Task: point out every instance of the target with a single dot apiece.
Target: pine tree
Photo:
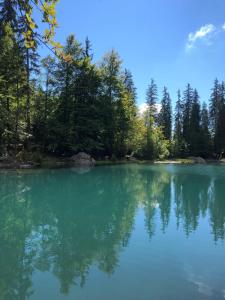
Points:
(178, 137)
(129, 85)
(126, 115)
(64, 78)
(165, 115)
(88, 49)
(111, 89)
(87, 129)
(219, 137)
(7, 73)
(44, 104)
(151, 116)
(187, 104)
(8, 14)
(194, 129)
(151, 99)
(150, 152)
(205, 139)
(130, 108)
(12, 73)
(21, 11)
(214, 104)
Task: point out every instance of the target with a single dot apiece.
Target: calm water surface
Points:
(135, 232)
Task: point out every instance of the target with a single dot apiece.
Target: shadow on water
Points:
(64, 221)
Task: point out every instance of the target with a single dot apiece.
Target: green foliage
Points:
(64, 107)
(71, 107)
(156, 145)
(161, 145)
(178, 145)
(205, 137)
(194, 130)
(217, 116)
(151, 98)
(165, 115)
(187, 105)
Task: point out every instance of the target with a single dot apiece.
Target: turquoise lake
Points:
(129, 232)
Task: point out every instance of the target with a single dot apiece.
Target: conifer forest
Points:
(65, 102)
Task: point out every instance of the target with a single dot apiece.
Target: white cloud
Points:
(158, 107)
(143, 108)
(223, 27)
(205, 33)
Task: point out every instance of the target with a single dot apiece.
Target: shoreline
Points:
(57, 163)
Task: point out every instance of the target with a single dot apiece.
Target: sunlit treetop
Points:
(47, 8)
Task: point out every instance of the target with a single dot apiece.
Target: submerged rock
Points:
(82, 169)
(83, 159)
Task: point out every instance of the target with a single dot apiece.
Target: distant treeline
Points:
(60, 106)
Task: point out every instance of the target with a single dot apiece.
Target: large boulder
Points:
(83, 159)
(198, 160)
(130, 158)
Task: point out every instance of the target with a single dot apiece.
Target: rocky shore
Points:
(83, 159)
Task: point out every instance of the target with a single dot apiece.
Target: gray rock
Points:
(132, 158)
(28, 165)
(83, 159)
(25, 166)
(198, 160)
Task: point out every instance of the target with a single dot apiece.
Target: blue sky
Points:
(172, 41)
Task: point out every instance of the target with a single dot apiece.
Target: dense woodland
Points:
(62, 106)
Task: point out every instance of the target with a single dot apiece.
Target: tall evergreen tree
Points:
(205, 139)
(88, 49)
(129, 84)
(111, 88)
(87, 120)
(8, 13)
(151, 116)
(126, 115)
(151, 98)
(45, 104)
(165, 115)
(12, 73)
(178, 136)
(187, 104)
(219, 137)
(64, 77)
(194, 129)
(214, 105)
(130, 109)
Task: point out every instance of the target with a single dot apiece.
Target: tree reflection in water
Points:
(65, 222)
